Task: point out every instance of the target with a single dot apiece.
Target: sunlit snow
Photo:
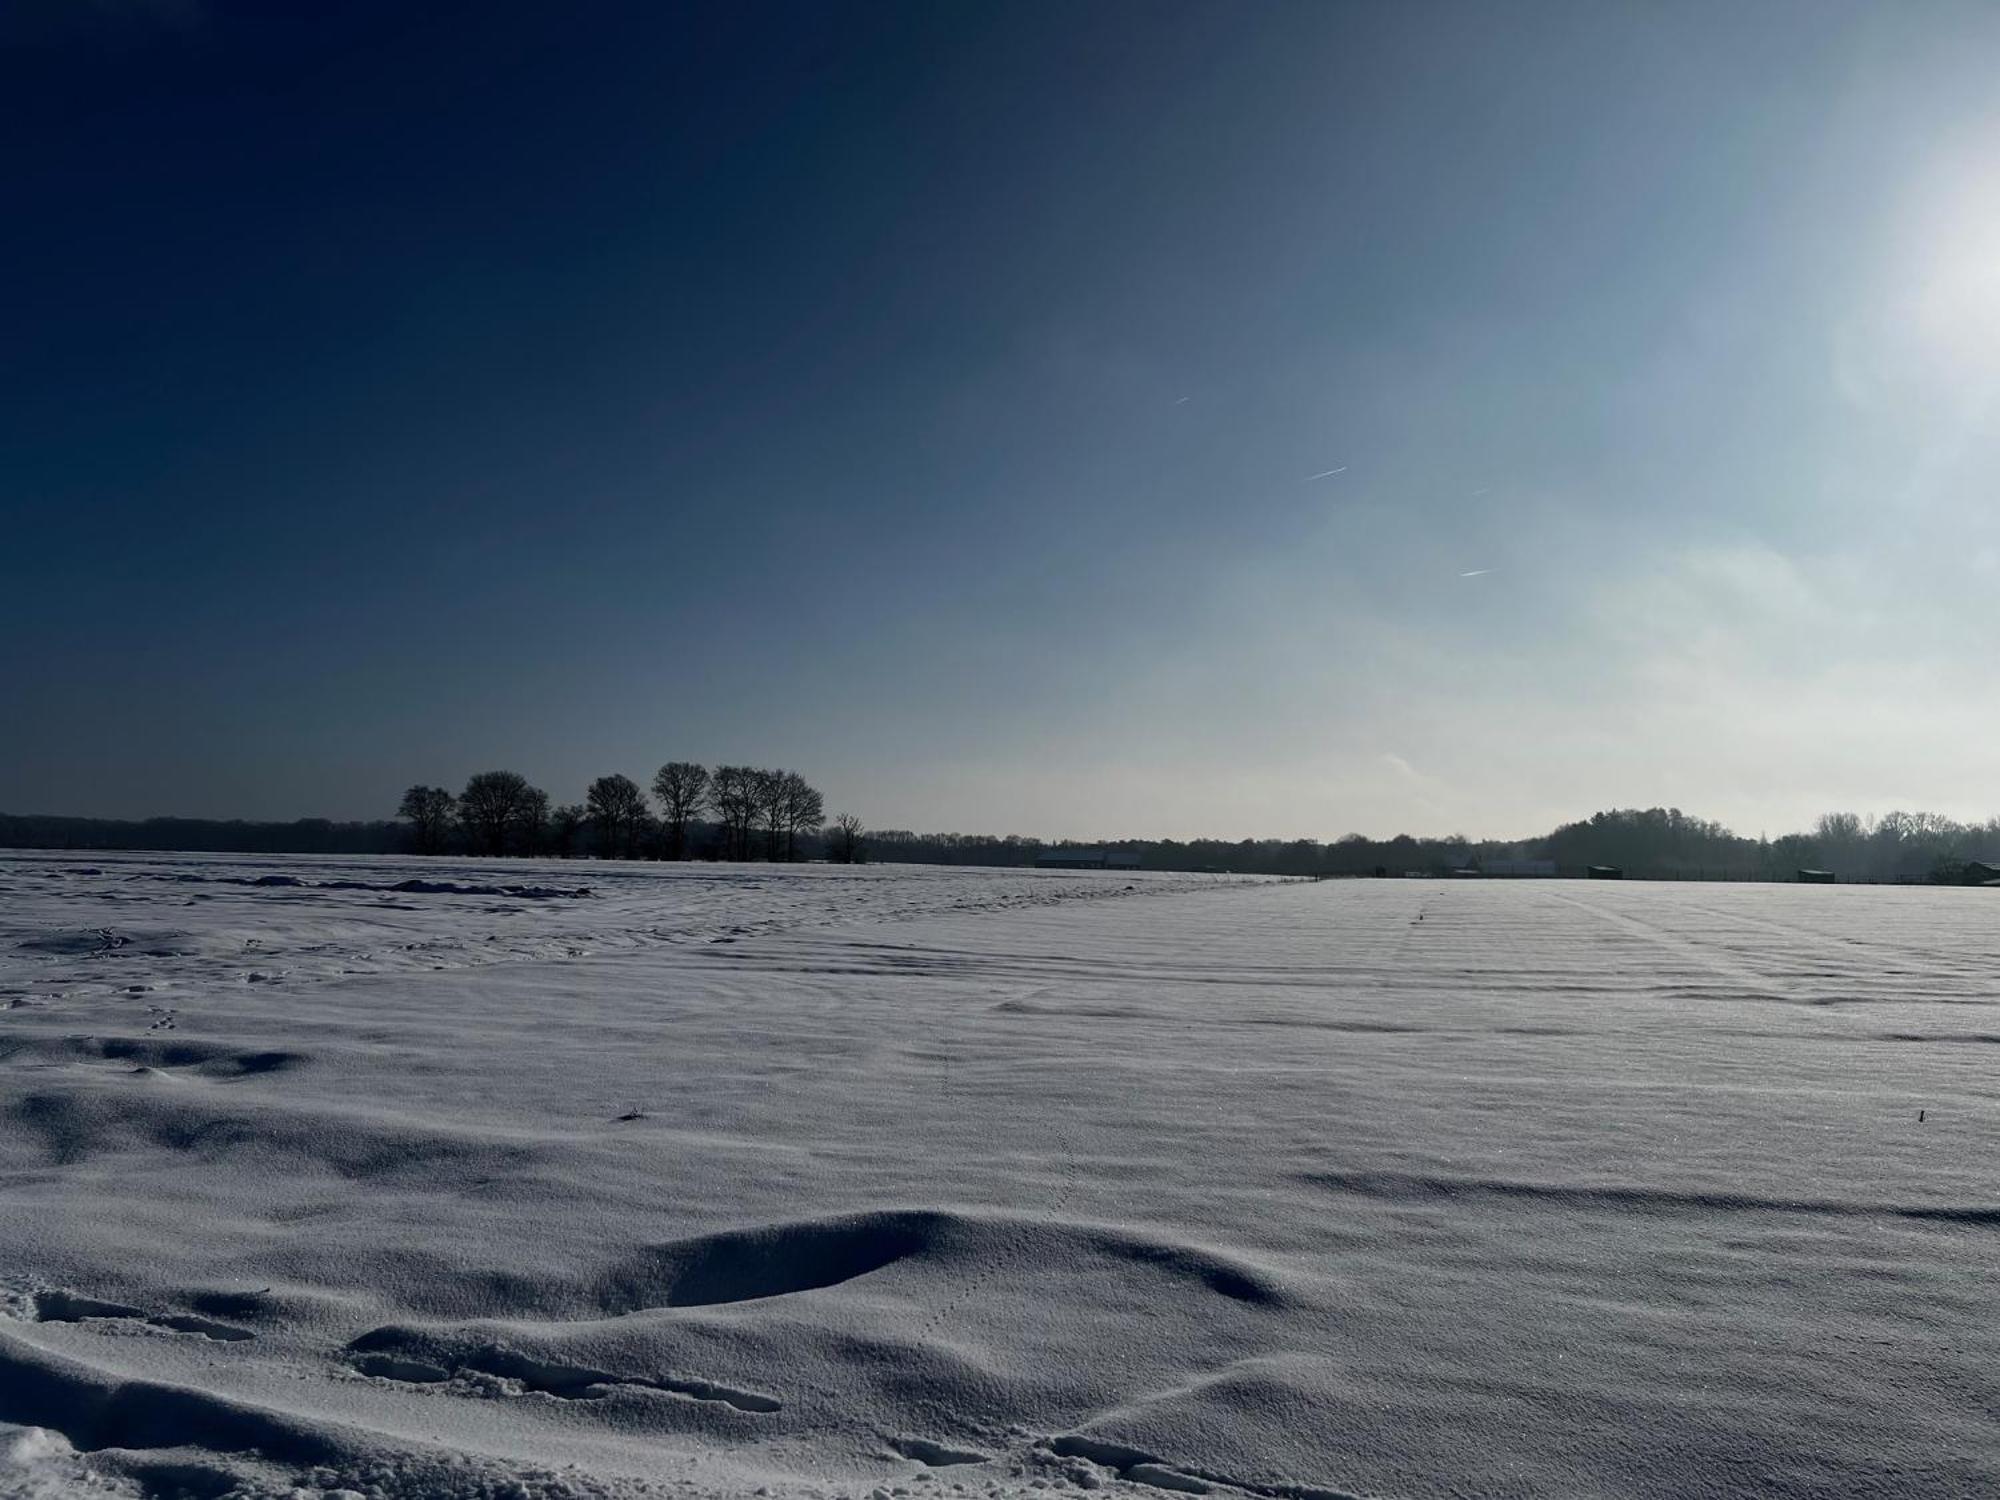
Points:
(442, 1177)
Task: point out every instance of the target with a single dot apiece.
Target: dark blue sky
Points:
(925, 396)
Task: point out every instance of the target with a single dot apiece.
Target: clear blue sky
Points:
(927, 396)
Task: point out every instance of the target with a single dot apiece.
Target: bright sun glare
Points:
(1957, 267)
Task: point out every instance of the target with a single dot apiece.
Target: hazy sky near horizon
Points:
(1075, 419)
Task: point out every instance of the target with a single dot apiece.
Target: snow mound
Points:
(777, 1260)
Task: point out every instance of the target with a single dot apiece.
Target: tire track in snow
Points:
(1759, 983)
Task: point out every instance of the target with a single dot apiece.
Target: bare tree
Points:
(531, 821)
(500, 811)
(723, 795)
(803, 810)
(843, 840)
(486, 808)
(769, 789)
(682, 787)
(429, 810)
(733, 795)
(617, 811)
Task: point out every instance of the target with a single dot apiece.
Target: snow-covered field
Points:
(921, 1181)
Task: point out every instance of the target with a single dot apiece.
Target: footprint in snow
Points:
(541, 1377)
(72, 1307)
(393, 1367)
(935, 1455)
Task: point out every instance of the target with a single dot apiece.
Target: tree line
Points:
(1657, 841)
(729, 812)
(685, 823)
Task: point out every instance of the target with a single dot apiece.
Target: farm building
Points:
(1816, 877)
(1086, 859)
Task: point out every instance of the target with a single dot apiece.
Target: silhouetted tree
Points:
(531, 821)
(682, 787)
(1653, 840)
(767, 791)
(1840, 842)
(499, 811)
(732, 794)
(429, 810)
(803, 810)
(617, 811)
(564, 824)
(843, 840)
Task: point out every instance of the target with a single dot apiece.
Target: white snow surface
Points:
(546, 1179)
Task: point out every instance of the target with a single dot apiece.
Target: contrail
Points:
(1476, 573)
(1326, 473)
(1184, 401)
